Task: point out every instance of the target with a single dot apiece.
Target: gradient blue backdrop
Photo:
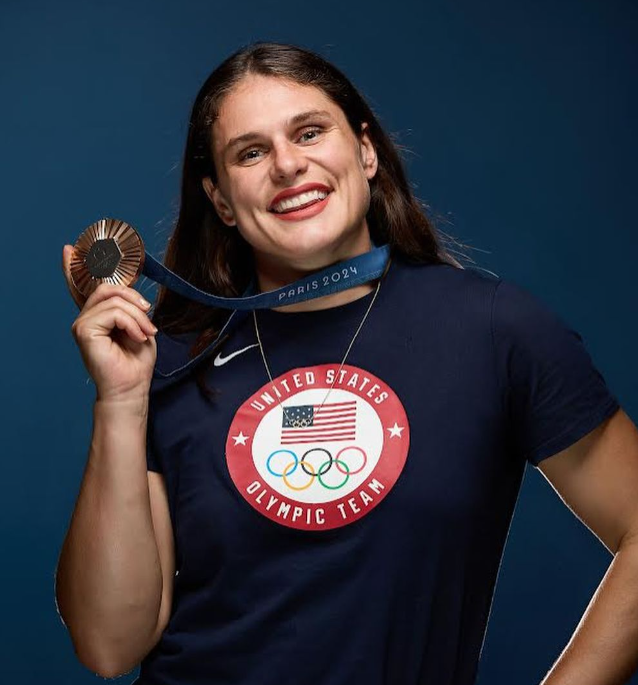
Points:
(521, 123)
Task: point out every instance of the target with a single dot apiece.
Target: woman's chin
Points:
(312, 248)
(313, 243)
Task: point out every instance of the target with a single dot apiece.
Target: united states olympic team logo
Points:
(317, 467)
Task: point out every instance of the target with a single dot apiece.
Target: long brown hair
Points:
(215, 257)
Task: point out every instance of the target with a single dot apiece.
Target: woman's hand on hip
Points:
(115, 337)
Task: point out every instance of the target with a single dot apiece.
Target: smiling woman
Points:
(329, 522)
(271, 122)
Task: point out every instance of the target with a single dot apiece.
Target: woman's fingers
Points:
(102, 323)
(114, 334)
(133, 310)
(126, 322)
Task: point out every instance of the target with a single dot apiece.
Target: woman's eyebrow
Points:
(296, 120)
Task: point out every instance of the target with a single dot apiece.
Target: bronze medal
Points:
(108, 251)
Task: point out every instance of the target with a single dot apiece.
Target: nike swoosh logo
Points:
(220, 361)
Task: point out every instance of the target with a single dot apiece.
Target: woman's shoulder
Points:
(455, 301)
(445, 281)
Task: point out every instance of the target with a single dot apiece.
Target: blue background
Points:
(520, 119)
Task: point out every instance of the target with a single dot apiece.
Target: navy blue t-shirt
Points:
(356, 538)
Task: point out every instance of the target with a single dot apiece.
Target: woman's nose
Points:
(288, 160)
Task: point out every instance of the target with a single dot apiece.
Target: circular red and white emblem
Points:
(318, 465)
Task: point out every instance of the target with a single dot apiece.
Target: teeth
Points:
(299, 200)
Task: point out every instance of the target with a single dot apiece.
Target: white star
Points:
(240, 439)
(395, 431)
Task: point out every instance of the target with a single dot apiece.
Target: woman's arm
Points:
(597, 478)
(109, 577)
(109, 574)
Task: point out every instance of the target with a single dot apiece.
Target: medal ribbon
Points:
(111, 250)
(333, 279)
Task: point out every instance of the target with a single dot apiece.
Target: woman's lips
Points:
(304, 212)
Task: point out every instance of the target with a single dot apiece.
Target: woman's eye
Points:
(248, 155)
(312, 133)
(252, 154)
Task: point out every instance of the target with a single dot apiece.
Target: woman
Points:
(325, 497)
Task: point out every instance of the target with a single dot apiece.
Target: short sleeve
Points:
(152, 462)
(152, 459)
(554, 394)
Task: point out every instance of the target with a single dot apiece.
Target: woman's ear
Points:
(223, 209)
(368, 153)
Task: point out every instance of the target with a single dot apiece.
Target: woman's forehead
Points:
(260, 103)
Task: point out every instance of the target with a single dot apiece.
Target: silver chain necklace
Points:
(302, 423)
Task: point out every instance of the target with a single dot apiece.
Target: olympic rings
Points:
(336, 487)
(277, 452)
(291, 467)
(353, 447)
(317, 449)
(294, 487)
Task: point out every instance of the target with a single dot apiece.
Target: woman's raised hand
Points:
(115, 337)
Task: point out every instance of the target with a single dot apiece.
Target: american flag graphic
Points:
(329, 423)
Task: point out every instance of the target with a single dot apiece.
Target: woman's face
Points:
(292, 138)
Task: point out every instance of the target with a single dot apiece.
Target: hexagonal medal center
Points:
(103, 258)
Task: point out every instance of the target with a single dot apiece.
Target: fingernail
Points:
(144, 303)
(154, 328)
